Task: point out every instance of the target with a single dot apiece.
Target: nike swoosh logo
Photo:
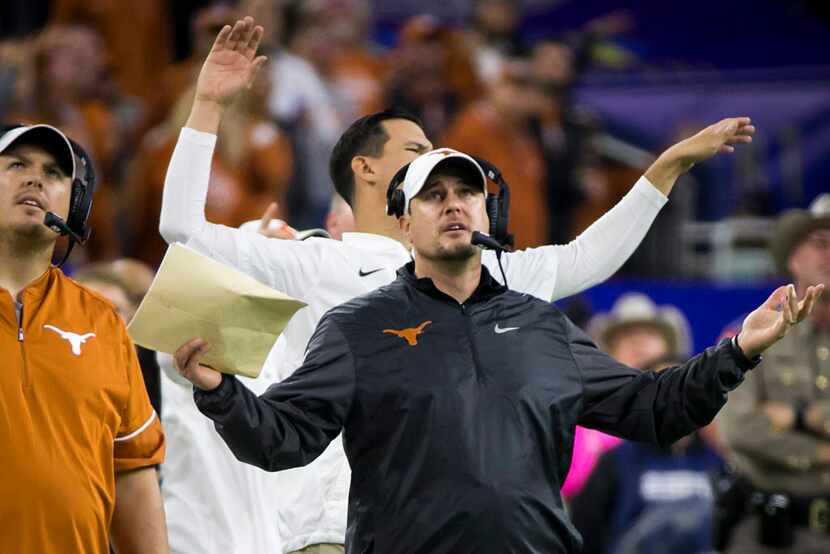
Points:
(500, 330)
(365, 273)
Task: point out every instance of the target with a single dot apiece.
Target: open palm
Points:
(719, 137)
(774, 318)
(232, 63)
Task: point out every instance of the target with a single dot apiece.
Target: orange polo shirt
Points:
(73, 413)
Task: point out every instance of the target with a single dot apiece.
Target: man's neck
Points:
(458, 279)
(21, 263)
(370, 217)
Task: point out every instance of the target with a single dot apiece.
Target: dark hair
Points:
(364, 137)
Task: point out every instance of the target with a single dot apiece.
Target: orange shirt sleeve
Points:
(140, 439)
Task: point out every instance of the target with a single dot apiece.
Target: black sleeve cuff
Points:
(740, 358)
(214, 401)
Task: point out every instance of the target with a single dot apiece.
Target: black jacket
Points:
(459, 431)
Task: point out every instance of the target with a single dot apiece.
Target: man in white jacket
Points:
(306, 507)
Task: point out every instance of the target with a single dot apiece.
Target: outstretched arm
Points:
(554, 272)
(662, 407)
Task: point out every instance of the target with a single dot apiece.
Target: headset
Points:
(76, 226)
(497, 206)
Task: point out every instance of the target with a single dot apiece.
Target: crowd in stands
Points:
(106, 74)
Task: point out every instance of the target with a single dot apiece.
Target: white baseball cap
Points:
(47, 137)
(422, 167)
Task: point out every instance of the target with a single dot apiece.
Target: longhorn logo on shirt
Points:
(74, 339)
(410, 335)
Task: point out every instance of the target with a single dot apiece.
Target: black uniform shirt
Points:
(458, 419)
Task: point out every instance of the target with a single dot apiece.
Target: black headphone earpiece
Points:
(395, 198)
(497, 206)
(83, 188)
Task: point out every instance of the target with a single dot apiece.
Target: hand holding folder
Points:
(196, 296)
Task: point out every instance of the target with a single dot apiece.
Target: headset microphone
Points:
(486, 241)
(59, 226)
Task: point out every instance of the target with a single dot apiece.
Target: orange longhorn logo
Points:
(409, 335)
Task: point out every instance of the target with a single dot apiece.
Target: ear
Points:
(404, 224)
(362, 169)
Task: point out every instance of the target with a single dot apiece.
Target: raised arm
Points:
(597, 253)
(229, 69)
(720, 137)
(293, 421)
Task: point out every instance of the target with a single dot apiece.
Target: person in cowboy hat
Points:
(777, 426)
(637, 332)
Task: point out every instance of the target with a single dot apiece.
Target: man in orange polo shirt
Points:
(79, 437)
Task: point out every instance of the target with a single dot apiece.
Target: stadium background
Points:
(665, 68)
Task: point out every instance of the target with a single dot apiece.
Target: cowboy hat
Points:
(793, 225)
(633, 310)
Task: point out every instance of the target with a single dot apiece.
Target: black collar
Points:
(486, 289)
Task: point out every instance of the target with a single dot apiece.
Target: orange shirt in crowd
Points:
(480, 131)
(73, 413)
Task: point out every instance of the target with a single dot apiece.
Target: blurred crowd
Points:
(105, 73)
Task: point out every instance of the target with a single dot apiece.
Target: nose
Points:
(32, 179)
(452, 203)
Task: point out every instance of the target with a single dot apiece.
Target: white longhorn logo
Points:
(74, 339)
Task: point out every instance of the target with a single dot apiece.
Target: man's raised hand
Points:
(719, 137)
(722, 136)
(232, 63)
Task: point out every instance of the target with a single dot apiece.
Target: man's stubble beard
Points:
(27, 238)
(458, 253)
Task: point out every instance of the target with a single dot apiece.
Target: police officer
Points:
(458, 397)
(777, 425)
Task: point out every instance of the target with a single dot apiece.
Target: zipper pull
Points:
(20, 334)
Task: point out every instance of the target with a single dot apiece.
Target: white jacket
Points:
(308, 505)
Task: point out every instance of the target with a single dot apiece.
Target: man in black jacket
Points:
(458, 397)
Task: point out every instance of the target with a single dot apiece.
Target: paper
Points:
(194, 296)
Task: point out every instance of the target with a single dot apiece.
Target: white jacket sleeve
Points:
(289, 266)
(558, 271)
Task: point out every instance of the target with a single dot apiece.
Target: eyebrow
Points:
(28, 160)
(431, 182)
(419, 145)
